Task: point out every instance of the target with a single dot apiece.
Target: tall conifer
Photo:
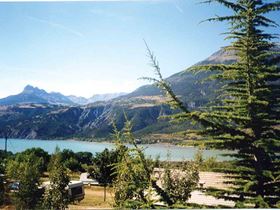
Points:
(245, 118)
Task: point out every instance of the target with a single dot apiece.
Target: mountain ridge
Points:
(144, 107)
(31, 94)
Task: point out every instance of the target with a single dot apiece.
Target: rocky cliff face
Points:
(44, 122)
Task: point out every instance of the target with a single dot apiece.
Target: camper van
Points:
(75, 190)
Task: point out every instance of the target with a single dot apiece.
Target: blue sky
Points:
(86, 48)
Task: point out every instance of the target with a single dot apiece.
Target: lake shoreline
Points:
(110, 142)
(177, 153)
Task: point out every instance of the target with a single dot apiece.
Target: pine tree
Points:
(56, 194)
(245, 117)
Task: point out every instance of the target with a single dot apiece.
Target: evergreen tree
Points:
(56, 194)
(245, 117)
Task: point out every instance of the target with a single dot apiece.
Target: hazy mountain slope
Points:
(78, 99)
(22, 98)
(104, 97)
(98, 97)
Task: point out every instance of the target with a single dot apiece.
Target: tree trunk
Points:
(104, 192)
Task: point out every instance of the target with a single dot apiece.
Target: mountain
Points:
(187, 84)
(78, 99)
(35, 95)
(104, 97)
(145, 106)
(94, 98)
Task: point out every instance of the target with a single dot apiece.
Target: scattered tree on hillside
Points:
(245, 117)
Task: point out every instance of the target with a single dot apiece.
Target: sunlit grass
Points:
(94, 197)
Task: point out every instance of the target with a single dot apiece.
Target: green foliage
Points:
(245, 116)
(14, 162)
(133, 172)
(131, 181)
(4, 196)
(70, 160)
(27, 172)
(4, 156)
(136, 184)
(72, 164)
(84, 157)
(3, 161)
(2, 190)
(104, 166)
(198, 157)
(76, 162)
(104, 171)
(211, 164)
(56, 194)
(40, 153)
(179, 183)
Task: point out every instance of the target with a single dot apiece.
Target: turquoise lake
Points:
(153, 150)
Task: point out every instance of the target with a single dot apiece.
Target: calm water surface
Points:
(153, 150)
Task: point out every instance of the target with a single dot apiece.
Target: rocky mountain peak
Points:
(31, 89)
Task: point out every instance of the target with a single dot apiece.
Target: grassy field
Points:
(94, 199)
